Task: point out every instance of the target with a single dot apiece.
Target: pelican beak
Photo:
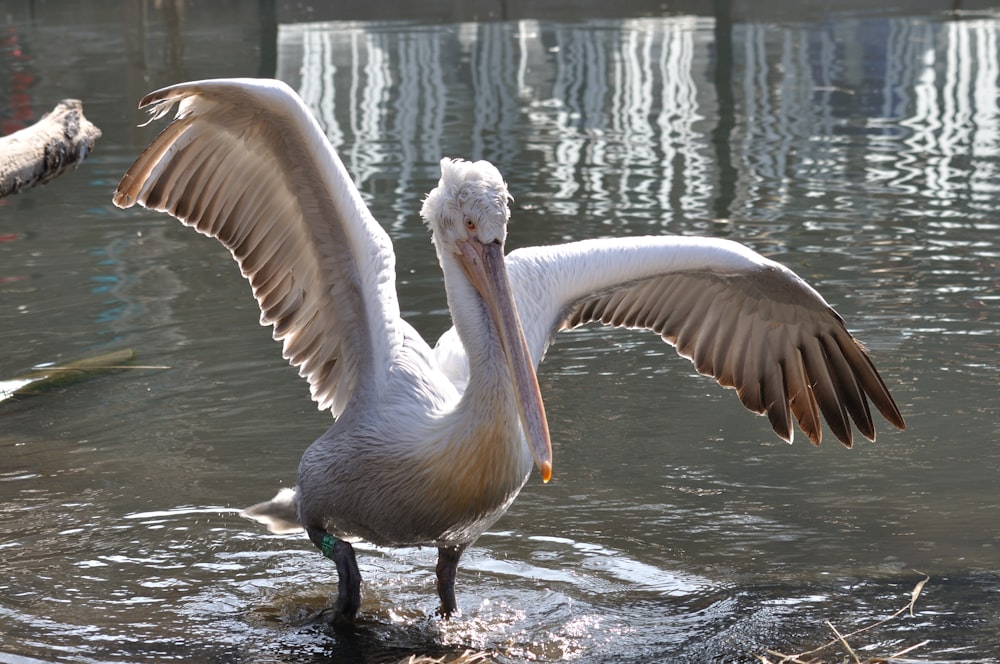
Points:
(484, 265)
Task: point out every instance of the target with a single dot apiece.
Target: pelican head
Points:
(470, 202)
(467, 214)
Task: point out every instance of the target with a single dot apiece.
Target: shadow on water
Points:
(861, 148)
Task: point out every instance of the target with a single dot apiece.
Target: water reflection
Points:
(861, 148)
(621, 112)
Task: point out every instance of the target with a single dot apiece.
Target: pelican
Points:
(431, 445)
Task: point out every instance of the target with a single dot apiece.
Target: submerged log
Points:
(56, 143)
(50, 376)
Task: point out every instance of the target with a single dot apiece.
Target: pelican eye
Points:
(470, 224)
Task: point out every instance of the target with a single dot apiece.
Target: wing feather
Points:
(825, 388)
(800, 397)
(747, 321)
(847, 387)
(776, 399)
(245, 162)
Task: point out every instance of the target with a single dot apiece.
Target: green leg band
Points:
(326, 546)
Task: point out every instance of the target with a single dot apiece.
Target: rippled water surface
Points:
(860, 149)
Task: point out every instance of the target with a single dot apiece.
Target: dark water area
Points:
(861, 148)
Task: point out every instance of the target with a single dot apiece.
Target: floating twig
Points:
(842, 639)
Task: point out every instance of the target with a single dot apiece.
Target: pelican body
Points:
(430, 446)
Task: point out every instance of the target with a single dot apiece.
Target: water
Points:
(860, 149)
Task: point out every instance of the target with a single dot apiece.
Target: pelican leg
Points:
(447, 568)
(348, 575)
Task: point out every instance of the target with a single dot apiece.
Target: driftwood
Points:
(36, 154)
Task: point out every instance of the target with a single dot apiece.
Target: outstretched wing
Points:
(749, 322)
(244, 162)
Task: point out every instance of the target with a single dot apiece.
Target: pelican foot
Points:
(447, 569)
(348, 577)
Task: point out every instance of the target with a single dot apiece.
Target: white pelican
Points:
(431, 445)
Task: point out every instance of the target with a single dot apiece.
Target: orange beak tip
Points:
(546, 469)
